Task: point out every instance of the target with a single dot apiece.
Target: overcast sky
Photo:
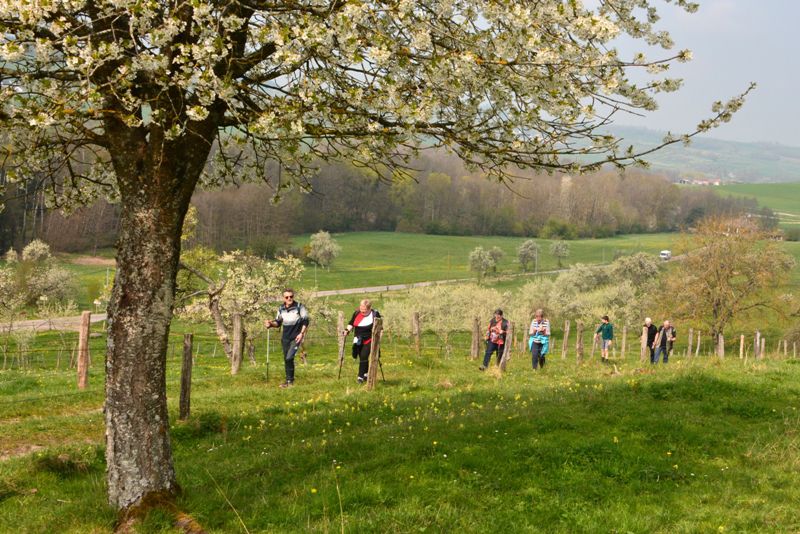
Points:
(734, 42)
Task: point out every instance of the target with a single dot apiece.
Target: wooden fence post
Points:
(579, 342)
(794, 349)
(474, 351)
(341, 337)
(721, 347)
(251, 351)
(785, 349)
(565, 346)
(186, 378)
(643, 349)
(624, 342)
(697, 348)
(236, 356)
(374, 354)
(690, 341)
(757, 346)
(741, 346)
(83, 350)
(507, 347)
(415, 331)
(763, 351)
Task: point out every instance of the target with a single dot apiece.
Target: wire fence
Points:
(61, 353)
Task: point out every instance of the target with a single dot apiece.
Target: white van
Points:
(665, 255)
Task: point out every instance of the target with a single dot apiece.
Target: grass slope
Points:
(782, 198)
(695, 446)
(378, 258)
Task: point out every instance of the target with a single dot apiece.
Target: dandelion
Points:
(313, 490)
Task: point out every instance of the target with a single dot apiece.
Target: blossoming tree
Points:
(141, 102)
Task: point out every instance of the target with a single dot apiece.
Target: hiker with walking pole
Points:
(361, 325)
(605, 334)
(539, 339)
(293, 316)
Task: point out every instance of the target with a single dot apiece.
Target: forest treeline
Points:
(440, 197)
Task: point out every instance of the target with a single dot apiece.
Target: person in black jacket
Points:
(652, 330)
(664, 340)
(361, 325)
(293, 316)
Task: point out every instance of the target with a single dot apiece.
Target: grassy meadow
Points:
(781, 198)
(378, 258)
(697, 445)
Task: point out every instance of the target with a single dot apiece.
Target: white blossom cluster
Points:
(33, 278)
(87, 85)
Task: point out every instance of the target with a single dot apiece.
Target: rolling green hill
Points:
(748, 162)
(379, 258)
(782, 198)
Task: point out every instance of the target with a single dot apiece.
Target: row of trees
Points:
(482, 261)
(729, 275)
(443, 198)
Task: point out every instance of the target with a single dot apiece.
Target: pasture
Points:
(698, 445)
(784, 198)
(379, 258)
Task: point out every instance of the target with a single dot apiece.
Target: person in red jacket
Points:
(361, 325)
(495, 338)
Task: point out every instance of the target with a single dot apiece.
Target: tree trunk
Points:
(138, 453)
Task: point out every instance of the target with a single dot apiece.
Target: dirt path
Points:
(58, 323)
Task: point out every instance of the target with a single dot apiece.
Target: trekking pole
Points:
(342, 338)
(380, 366)
(268, 353)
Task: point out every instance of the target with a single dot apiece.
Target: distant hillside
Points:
(728, 160)
(783, 198)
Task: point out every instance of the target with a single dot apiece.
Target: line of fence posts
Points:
(516, 339)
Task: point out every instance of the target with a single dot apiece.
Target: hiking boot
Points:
(481, 368)
(361, 379)
(286, 385)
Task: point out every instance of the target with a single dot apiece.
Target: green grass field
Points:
(379, 258)
(782, 198)
(695, 446)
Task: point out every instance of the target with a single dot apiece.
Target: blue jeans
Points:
(537, 358)
(661, 350)
(289, 351)
(490, 348)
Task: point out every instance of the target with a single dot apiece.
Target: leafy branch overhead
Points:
(85, 85)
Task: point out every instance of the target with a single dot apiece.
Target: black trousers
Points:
(362, 351)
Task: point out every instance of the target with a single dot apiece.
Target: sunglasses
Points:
(289, 297)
